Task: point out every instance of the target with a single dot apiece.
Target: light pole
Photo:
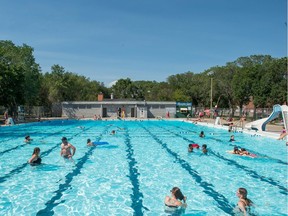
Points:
(211, 97)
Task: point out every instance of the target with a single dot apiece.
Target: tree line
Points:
(260, 78)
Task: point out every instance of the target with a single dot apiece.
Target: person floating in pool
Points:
(175, 200)
(66, 149)
(232, 138)
(89, 143)
(202, 135)
(113, 132)
(28, 139)
(204, 149)
(244, 203)
(236, 150)
(35, 159)
(244, 152)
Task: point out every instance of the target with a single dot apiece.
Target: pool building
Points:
(122, 108)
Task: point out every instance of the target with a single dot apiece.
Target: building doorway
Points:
(132, 112)
(104, 112)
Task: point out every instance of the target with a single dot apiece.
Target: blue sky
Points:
(144, 39)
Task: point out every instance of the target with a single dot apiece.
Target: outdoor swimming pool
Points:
(133, 174)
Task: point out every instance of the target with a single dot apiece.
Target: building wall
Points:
(131, 108)
(160, 110)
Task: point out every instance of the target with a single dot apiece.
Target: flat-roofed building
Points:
(118, 108)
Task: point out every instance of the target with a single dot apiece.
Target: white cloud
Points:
(109, 85)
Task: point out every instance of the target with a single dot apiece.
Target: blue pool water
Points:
(133, 174)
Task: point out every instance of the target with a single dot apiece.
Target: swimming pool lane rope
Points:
(48, 210)
(20, 168)
(222, 201)
(252, 173)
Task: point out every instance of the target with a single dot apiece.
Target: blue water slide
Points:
(276, 111)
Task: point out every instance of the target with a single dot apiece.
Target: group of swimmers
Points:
(240, 151)
(67, 151)
(191, 146)
(178, 200)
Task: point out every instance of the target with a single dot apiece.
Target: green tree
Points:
(126, 89)
(19, 63)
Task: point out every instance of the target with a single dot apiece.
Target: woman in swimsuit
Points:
(175, 200)
(244, 203)
(35, 159)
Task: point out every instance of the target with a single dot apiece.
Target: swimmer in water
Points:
(35, 159)
(27, 139)
(89, 143)
(204, 149)
(66, 149)
(175, 200)
(236, 150)
(232, 138)
(190, 148)
(244, 203)
(202, 135)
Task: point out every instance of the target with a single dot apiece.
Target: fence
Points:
(249, 113)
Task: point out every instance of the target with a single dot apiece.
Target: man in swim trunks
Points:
(66, 149)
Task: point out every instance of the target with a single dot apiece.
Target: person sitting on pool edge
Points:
(35, 159)
(204, 149)
(175, 200)
(66, 149)
(244, 203)
(202, 134)
(27, 139)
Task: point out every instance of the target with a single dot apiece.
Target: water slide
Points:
(260, 124)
